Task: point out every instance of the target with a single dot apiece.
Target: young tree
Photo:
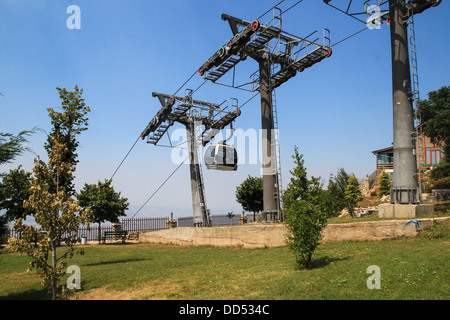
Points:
(306, 211)
(249, 194)
(67, 124)
(298, 184)
(353, 194)
(56, 213)
(384, 184)
(105, 203)
(55, 210)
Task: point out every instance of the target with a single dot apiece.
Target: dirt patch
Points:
(145, 291)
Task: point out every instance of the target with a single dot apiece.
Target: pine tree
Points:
(384, 184)
(353, 194)
(306, 210)
(56, 213)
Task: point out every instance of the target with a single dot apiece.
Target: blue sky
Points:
(337, 112)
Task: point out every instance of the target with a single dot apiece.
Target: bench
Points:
(115, 235)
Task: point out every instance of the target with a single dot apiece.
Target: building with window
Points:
(385, 159)
(428, 155)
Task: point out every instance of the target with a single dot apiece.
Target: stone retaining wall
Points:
(273, 235)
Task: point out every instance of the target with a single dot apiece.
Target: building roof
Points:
(385, 150)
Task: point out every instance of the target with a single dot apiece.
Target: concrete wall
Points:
(247, 236)
(273, 235)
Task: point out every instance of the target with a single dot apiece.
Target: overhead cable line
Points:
(354, 34)
(160, 187)
(125, 158)
(292, 6)
(248, 100)
(185, 82)
(270, 9)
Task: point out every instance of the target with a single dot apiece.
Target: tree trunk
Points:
(99, 233)
(308, 260)
(54, 279)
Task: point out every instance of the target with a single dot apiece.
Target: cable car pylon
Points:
(193, 114)
(405, 189)
(259, 41)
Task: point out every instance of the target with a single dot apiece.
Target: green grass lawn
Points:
(410, 269)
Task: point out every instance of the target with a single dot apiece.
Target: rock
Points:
(344, 213)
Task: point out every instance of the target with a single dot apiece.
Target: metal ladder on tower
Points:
(206, 219)
(420, 150)
(276, 141)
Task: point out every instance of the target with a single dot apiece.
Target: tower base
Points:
(389, 210)
(270, 216)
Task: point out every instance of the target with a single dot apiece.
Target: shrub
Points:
(305, 222)
(307, 208)
(441, 171)
(443, 183)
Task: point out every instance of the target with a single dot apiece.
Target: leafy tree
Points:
(306, 211)
(353, 194)
(249, 194)
(105, 203)
(384, 184)
(434, 112)
(11, 146)
(298, 184)
(4, 229)
(67, 124)
(332, 197)
(55, 210)
(14, 189)
(342, 179)
(230, 216)
(440, 172)
(336, 191)
(443, 183)
(56, 213)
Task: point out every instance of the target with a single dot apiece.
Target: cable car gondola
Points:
(220, 156)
